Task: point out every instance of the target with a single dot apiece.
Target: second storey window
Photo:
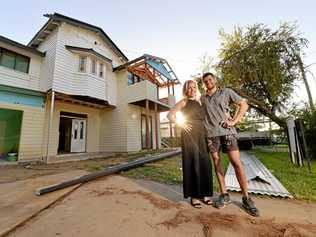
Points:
(101, 70)
(82, 63)
(132, 79)
(93, 66)
(14, 60)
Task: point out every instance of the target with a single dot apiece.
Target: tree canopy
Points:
(262, 64)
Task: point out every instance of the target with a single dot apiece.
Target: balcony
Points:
(139, 92)
(170, 100)
(144, 90)
(148, 76)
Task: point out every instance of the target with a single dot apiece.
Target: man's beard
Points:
(210, 88)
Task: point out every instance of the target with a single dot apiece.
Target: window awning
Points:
(89, 51)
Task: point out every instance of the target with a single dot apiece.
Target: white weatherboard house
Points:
(72, 93)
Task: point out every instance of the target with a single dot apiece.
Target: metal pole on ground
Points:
(107, 171)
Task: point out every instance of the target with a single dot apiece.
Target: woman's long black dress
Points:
(196, 164)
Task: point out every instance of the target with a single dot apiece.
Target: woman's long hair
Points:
(185, 89)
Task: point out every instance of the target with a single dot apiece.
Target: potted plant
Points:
(13, 153)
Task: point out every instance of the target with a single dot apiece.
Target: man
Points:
(221, 133)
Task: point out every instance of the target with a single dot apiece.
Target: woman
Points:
(196, 164)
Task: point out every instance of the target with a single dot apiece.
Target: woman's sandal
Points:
(196, 204)
(208, 201)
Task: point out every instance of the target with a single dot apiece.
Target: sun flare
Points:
(180, 120)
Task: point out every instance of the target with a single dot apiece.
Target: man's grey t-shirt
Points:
(216, 109)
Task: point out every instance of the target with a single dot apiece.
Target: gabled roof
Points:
(21, 46)
(56, 18)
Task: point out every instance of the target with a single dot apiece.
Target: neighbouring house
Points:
(168, 129)
(72, 93)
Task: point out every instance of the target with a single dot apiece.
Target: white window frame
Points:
(80, 69)
(101, 70)
(94, 67)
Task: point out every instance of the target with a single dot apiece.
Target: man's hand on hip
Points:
(228, 124)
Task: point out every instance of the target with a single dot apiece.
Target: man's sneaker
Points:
(249, 206)
(222, 200)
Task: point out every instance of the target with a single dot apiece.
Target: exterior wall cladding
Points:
(113, 129)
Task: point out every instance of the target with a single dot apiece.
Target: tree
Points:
(206, 65)
(262, 65)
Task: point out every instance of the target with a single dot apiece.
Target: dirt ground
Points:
(13, 173)
(118, 206)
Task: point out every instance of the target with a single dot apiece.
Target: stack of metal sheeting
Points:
(259, 178)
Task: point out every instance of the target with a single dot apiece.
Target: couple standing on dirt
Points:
(208, 128)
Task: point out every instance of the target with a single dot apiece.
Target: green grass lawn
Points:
(168, 171)
(297, 181)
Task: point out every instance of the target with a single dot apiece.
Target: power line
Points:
(311, 52)
(310, 65)
(312, 74)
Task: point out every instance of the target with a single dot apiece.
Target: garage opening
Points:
(10, 132)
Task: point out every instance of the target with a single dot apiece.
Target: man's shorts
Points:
(226, 143)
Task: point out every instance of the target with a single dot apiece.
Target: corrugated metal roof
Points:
(260, 180)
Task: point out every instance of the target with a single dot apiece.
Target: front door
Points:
(78, 136)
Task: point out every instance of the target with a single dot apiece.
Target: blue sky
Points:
(177, 30)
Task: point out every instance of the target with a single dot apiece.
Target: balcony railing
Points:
(170, 100)
(146, 90)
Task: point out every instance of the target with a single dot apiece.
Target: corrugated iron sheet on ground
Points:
(260, 180)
